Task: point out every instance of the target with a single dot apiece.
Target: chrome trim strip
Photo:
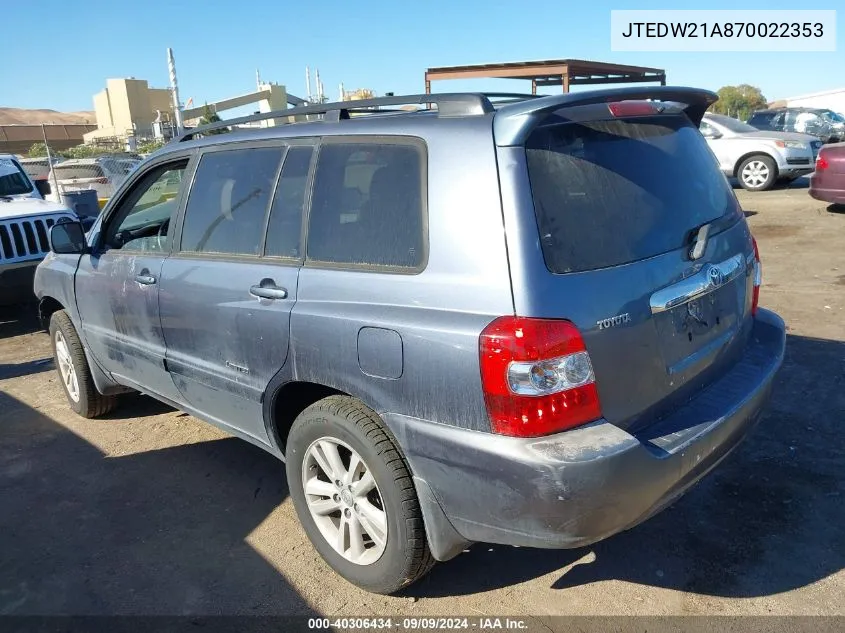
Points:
(705, 281)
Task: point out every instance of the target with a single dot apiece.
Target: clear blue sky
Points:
(66, 50)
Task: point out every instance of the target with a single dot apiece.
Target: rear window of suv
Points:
(612, 192)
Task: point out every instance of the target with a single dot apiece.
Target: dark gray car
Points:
(532, 322)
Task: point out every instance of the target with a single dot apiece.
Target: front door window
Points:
(143, 223)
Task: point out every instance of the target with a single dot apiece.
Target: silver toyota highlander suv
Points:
(527, 321)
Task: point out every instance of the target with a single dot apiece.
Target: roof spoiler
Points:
(513, 123)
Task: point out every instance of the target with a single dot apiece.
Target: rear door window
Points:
(285, 226)
(367, 205)
(229, 200)
(616, 191)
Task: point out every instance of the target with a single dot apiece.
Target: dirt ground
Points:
(153, 512)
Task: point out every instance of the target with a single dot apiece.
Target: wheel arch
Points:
(284, 401)
(748, 155)
(47, 306)
(284, 404)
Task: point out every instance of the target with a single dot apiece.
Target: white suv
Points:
(25, 221)
(757, 158)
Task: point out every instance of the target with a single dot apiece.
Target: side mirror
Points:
(712, 134)
(68, 237)
(43, 187)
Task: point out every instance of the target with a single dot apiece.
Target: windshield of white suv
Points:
(734, 125)
(13, 180)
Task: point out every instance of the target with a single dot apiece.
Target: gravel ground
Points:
(153, 512)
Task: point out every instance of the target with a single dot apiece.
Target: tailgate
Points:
(644, 247)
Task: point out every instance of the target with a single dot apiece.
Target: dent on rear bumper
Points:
(581, 486)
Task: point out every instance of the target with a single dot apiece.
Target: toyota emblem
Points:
(715, 276)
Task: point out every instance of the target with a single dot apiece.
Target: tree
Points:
(150, 146)
(84, 151)
(37, 150)
(739, 101)
(210, 116)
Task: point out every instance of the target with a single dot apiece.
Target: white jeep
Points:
(25, 221)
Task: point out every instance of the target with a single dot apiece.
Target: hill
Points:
(20, 116)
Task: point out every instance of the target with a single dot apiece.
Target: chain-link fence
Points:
(101, 174)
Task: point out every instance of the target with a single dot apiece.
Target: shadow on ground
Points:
(18, 320)
(164, 531)
(836, 208)
(802, 182)
(16, 370)
(768, 520)
(133, 405)
(160, 532)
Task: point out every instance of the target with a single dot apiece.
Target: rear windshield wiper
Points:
(699, 237)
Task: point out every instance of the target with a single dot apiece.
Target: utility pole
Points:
(174, 89)
(50, 163)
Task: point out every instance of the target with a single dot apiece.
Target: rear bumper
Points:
(828, 187)
(16, 283)
(578, 487)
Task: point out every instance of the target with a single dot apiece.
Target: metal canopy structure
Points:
(551, 72)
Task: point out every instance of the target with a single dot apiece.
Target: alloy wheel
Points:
(66, 368)
(344, 500)
(755, 173)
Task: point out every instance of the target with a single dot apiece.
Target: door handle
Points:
(268, 289)
(146, 280)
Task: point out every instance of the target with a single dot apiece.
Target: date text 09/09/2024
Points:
(418, 624)
(724, 29)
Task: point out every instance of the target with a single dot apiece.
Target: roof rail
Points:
(448, 105)
(511, 95)
(515, 121)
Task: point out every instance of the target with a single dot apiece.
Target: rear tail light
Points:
(758, 278)
(537, 376)
(821, 163)
(632, 108)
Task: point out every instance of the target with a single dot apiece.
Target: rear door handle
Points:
(268, 289)
(146, 280)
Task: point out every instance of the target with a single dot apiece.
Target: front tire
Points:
(354, 495)
(74, 373)
(757, 173)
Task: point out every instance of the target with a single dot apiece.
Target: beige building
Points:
(127, 107)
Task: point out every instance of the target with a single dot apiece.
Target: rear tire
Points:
(396, 554)
(73, 370)
(757, 173)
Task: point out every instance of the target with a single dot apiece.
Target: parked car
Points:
(758, 159)
(535, 324)
(25, 219)
(829, 126)
(104, 175)
(828, 181)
